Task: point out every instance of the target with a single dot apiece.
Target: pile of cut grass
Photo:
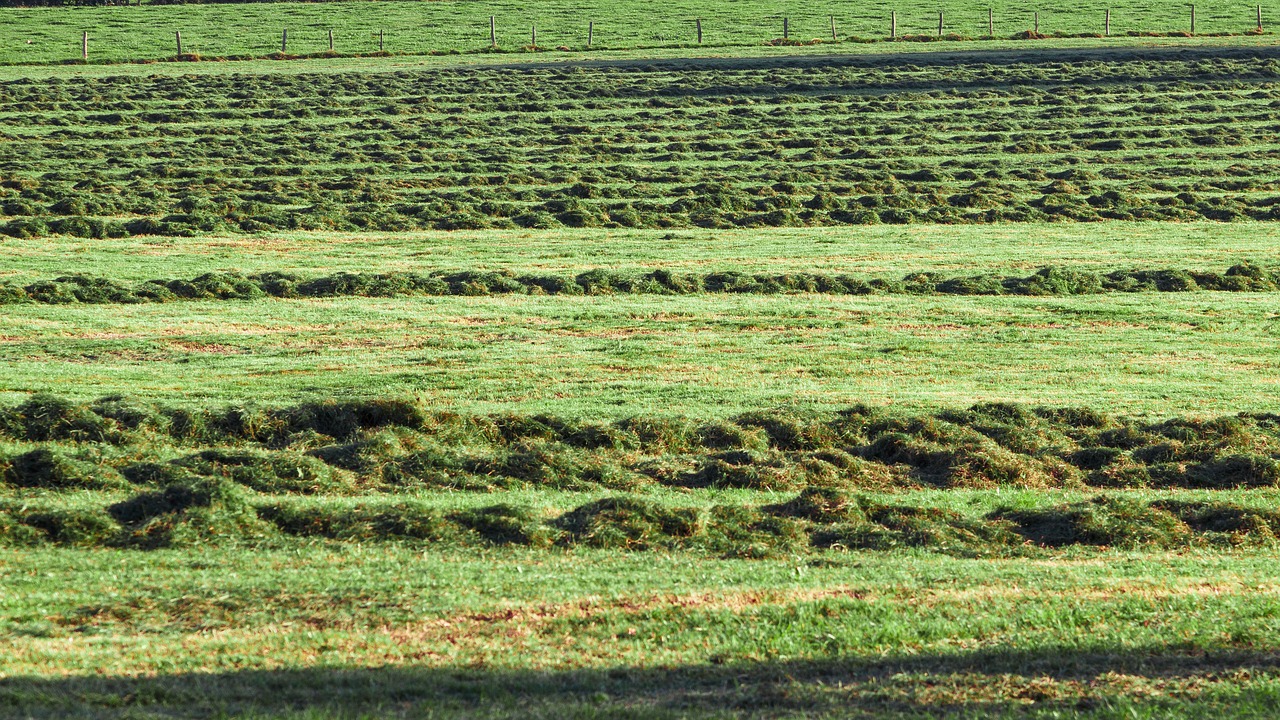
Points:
(198, 476)
(1047, 281)
(391, 445)
(196, 512)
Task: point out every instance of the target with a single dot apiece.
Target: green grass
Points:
(214, 545)
(329, 632)
(881, 252)
(1116, 46)
(422, 27)
(696, 355)
(703, 356)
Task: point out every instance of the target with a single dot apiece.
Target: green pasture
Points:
(52, 35)
(770, 504)
(342, 631)
(878, 251)
(701, 355)
(705, 355)
(988, 49)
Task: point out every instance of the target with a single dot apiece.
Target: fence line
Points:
(697, 34)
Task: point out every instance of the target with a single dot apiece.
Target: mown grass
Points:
(393, 632)
(642, 505)
(642, 355)
(875, 252)
(782, 144)
(989, 49)
(415, 27)
(623, 355)
(695, 355)
(1044, 282)
(181, 477)
(818, 521)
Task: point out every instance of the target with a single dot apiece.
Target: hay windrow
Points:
(392, 446)
(189, 512)
(241, 475)
(825, 142)
(216, 512)
(1047, 281)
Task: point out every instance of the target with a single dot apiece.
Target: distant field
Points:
(827, 142)
(44, 35)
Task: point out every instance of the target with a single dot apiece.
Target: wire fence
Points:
(155, 32)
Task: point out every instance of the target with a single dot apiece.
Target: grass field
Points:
(50, 35)
(819, 142)
(428, 567)
(702, 354)
(389, 632)
(878, 251)
(882, 385)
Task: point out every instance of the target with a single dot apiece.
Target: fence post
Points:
(893, 24)
(533, 36)
(1193, 19)
(699, 22)
(381, 39)
(177, 36)
(833, 29)
(493, 33)
(1037, 21)
(84, 46)
(284, 40)
(786, 28)
(591, 31)
(1259, 18)
(1107, 27)
(330, 39)
(991, 23)
(939, 23)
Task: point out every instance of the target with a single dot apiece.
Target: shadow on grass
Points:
(934, 57)
(1065, 683)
